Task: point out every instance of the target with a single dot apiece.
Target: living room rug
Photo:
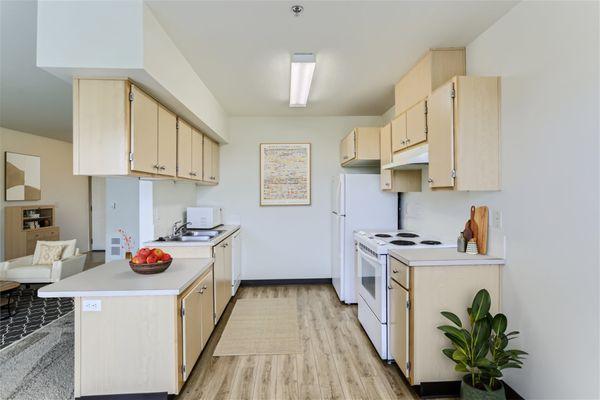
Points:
(32, 313)
(41, 365)
(261, 326)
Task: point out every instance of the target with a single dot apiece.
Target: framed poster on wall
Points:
(285, 174)
(22, 177)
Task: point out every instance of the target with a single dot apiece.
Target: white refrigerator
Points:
(357, 204)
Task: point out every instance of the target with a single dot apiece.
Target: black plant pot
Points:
(468, 392)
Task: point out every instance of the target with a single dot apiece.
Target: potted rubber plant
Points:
(481, 350)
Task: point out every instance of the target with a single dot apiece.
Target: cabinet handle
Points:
(204, 287)
(387, 184)
(395, 271)
(403, 142)
(201, 291)
(156, 166)
(162, 168)
(429, 180)
(192, 173)
(407, 141)
(390, 287)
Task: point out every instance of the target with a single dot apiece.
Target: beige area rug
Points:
(261, 326)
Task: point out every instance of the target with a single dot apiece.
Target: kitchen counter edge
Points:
(442, 257)
(229, 230)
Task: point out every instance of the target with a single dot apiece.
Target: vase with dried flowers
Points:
(127, 244)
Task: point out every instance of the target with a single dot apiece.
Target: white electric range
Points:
(373, 273)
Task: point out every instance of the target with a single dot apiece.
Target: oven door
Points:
(372, 280)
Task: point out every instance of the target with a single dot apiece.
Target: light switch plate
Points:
(92, 305)
(497, 220)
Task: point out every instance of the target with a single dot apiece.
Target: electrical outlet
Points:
(497, 220)
(92, 305)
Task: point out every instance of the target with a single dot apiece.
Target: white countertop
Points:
(117, 279)
(442, 256)
(229, 230)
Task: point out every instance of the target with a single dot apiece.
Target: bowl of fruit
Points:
(150, 261)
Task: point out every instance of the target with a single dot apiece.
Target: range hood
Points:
(413, 158)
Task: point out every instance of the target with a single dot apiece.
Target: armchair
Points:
(23, 270)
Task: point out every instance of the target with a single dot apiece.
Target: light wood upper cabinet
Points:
(167, 142)
(464, 134)
(118, 129)
(395, 180)
(197, 155)
(144, 132)
(435, 68)
(416, 124)
(184, 152)
(211, 161)
(360, 147)
(399, 133)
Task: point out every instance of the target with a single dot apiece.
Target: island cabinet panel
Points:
(105, 341)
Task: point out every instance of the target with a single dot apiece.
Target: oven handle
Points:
(368, 256)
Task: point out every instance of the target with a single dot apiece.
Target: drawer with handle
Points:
(400, 272)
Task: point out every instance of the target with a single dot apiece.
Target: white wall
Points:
(171, 200)
(98, 200)
(286, 242)
(59, 187)
(547, 56)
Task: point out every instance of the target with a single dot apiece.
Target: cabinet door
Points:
(385, 146)
(399, 133)
(197, 154)
(208, 321)
(144, 132)
(167, 142)
(399, 313)
(184, 154)
(192, 327)
(216, 158)
(440, 120)
(347, 147)
(416, 124)
(207, 162)
(222, 278)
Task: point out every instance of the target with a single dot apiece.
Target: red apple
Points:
(158, 253)
(137, 260)
(144, 252)
(166, 257)
(152, 259)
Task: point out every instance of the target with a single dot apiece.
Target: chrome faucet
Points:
(177, 229)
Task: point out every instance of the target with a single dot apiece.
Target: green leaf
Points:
(499, 323)
(452, 317)
(454, 334)
(459, 356)
(448, 353)
(517, 352)
(510, 365)
(481, 305)
(512, 333)
(461, 368)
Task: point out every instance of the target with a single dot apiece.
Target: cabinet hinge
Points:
(408, 365)
(177, 125)
(453, 173)
(131, 96)
(91, 240)
(426, 108)
(131, 156)
(452, 93)
(408, 304)
(183, 369)
(183, 311)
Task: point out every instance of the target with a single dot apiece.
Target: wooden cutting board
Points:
(482, 221)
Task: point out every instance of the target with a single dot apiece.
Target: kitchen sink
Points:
(196, 236)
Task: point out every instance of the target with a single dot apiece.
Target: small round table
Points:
(7, 298)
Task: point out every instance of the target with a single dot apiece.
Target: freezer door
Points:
(337, 254)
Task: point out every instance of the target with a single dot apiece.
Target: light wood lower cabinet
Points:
(223, 273)
(19, 239)
(197, 321)
(417, 296)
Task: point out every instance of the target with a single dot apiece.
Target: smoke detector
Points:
(297, 10)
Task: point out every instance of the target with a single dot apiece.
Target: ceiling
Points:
(31, 99)
(241, 49)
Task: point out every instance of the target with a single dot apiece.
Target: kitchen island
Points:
(137, 333)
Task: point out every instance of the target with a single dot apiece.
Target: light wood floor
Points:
(338, 361)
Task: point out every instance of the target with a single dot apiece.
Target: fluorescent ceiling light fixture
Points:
(303, 67)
